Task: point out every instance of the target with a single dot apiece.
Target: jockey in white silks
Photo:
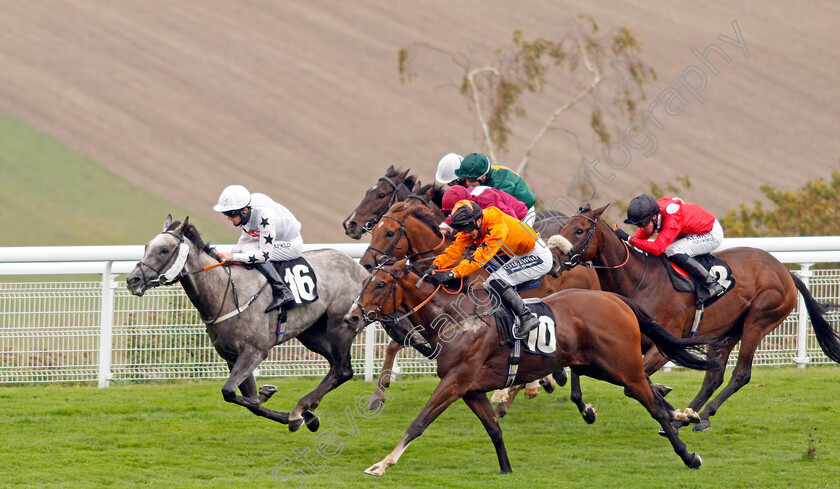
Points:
(270, 233)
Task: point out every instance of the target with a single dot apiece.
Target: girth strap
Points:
(513, 362)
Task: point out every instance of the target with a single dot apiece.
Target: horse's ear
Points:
(600, 210)
(400, 265)
(390, 170)
(585, 208)
(167, 222)
(186, 224)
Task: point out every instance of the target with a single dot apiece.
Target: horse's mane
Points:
(430, 193)
(191, 233)
(421, 212)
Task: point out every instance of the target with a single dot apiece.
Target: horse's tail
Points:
(827, 337)
(682, 351)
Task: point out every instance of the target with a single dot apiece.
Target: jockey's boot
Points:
(279, 290)
(527, 319)
(697, 271)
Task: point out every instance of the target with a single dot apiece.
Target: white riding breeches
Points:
(529, 266)
(530, 217)
(699, 244)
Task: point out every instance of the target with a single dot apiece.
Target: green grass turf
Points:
(780, 431)
(50, 195)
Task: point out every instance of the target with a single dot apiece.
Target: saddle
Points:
(683, 282)
(541, 340)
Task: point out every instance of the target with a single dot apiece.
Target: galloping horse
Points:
(410, 230)
(594, 331)
(762, 297)
(231, 301)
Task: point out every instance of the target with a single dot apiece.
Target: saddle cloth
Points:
(300, 277)
(683, 282)
(542, 340)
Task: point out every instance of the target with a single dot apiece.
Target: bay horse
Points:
(410, 229)
(763, 295)
(392, 187)
(597, 332)
(231, 300)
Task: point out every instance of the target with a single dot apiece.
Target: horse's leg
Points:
(241, 374)
(653, 362)
(712, 380)
(330, 339)
(639, 387)
(477, 401)
(384, 380)
(750, 339)
(451, 387)
(249, 390)
(504, 404)
(586, 410)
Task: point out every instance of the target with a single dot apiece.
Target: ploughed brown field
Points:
(302, 100)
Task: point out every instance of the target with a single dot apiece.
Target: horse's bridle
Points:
(576, 252)
(400, 191)
(385, 255)
(373, 315)
(174, 272)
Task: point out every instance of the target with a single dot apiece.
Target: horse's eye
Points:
(164, 251)
(381, 196)
(578, 231)
(389, 234)
(380, 285)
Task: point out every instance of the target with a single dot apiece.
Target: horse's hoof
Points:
(375, 470)
(662, 389)
(531, 392)
(691, 416)
(703, 425)
(500, 413)
(499, 396)
(560, 377)
(266, 391)
(589, 414)
(548, 384)
(375, 404)
(295, 424)
(695, 461)
(312, 421)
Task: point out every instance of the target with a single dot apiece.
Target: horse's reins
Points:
(575, 259)
(176, 272)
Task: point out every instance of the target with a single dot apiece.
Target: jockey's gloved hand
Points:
(439, 278)
(622, 235)
(432, 269)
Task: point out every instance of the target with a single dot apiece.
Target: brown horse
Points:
(597, 332)
(392, 187)
(763, 295)
(410, 230)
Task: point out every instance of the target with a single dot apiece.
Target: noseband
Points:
(373, 315)
(576, 252)
(174, 272)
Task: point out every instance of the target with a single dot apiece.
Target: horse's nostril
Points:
(368, 266)
(351, 225)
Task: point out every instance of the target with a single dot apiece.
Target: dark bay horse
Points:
(231, 301)
(392, 187)
(597, 332)
(410, 230)
(762, 297)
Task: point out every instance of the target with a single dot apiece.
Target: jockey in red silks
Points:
(684, 230)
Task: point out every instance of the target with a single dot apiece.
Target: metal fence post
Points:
(106, 328)
(802, 323)
(370, 333)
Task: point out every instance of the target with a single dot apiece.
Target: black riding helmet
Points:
(464, 215)
(641, 210)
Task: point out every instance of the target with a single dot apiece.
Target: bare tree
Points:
(581, 64)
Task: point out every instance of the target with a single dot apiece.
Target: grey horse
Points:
(231, 300)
